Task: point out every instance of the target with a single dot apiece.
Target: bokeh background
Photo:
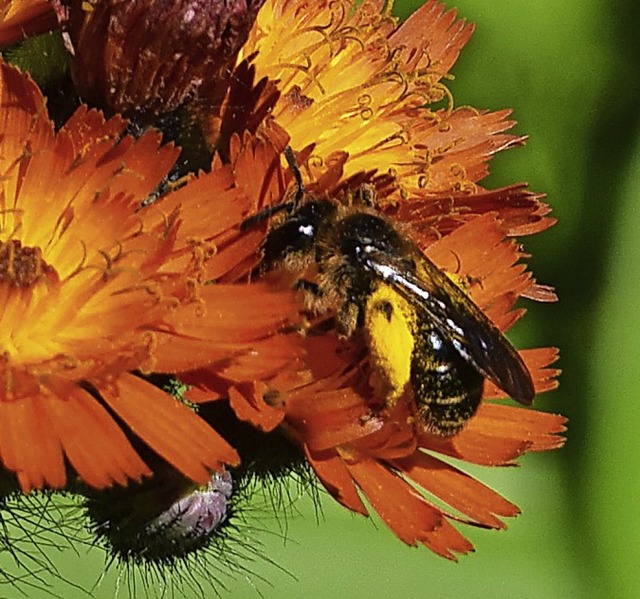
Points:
(571, 72)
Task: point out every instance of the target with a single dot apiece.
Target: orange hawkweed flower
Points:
(118, 290)
(96, 291)
(363, 100)
(353, 82)
(358, 449)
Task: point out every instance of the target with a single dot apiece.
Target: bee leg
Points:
(289, 206)
(347, 319)
(314, 297)
(309, 287)
(264, 214)
(297, 175)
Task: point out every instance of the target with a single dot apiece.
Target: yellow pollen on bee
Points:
(390, 323)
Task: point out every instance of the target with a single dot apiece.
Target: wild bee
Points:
(426, 338)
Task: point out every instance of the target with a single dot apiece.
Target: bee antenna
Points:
(297, 175)
(289, 206)
(247, 223)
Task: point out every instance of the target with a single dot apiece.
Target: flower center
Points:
(22, 266)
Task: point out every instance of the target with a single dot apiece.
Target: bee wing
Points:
(457, 318)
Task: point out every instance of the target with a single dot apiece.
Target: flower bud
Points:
(162, 519)
(145, 58)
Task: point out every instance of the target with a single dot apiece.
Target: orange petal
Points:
(209, 391)
(28, 444)
(333, 474)
(231, 314)
(267, 359)
(540, 430)
(24, 18)
(237, 259)
(258, 170)
(431, 37)
(404, 511)
(169, 427)
(395, 439)
(458, 146)
(477, 448)
(498, 434)
(457, 489)
(87, 126)
(479, 250)
(225, 320)
(213, 204)
(92, 441)
(245, 107)
(23, 115)
(249, 405)
(325, 419)
(447, 541)
(435, 215)
(128, 167)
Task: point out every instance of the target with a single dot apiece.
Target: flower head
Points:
(358, 88)
(364, 101)
(364, 104)
(162, 520)
(98, 291)
(387, 455)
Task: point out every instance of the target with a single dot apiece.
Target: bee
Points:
(426, 337)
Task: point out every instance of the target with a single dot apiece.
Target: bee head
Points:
(297, 235)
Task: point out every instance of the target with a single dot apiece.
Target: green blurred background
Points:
(571, 72)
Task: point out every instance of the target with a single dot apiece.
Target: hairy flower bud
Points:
(145, 58)
(162, 519)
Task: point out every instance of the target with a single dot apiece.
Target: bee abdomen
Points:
(446, 389)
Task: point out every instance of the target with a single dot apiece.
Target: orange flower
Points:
(363, 100)
(97, 291)
(355, 448)
(354, 82)
(359, 446)
(22, 18)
